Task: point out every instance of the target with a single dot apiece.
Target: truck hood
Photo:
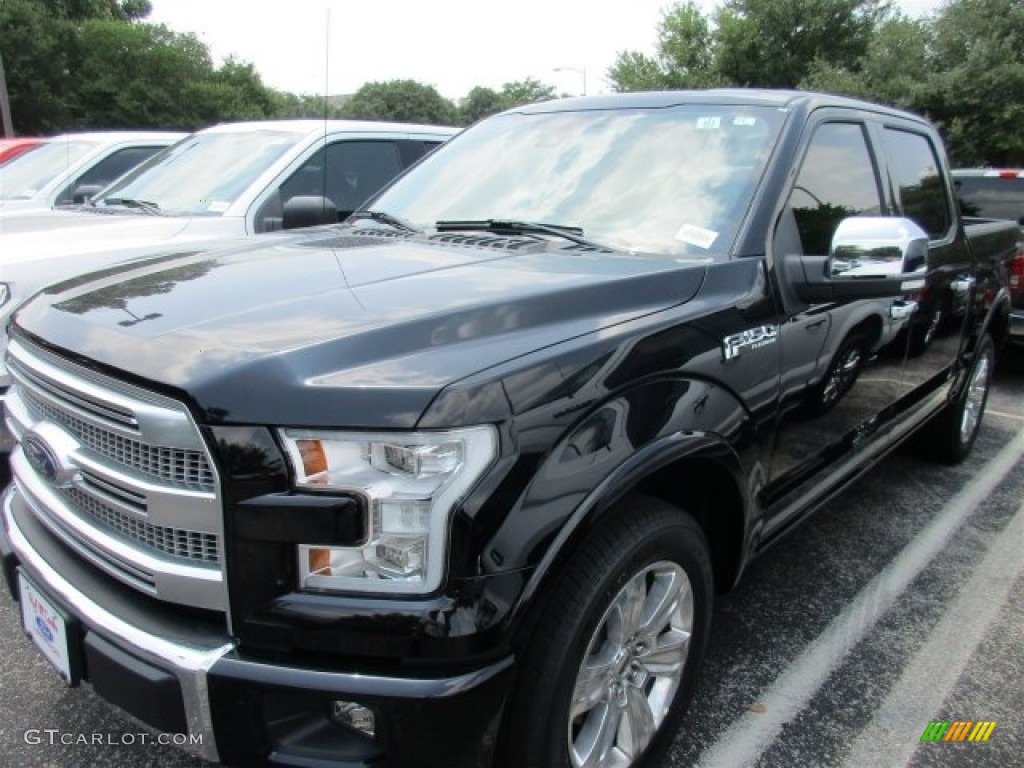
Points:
(340, 328)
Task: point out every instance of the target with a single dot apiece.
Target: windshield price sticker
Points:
(694, 235)
(709, 123)
(46, 628)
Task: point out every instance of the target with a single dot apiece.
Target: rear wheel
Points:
(606, 676)
(952, 432)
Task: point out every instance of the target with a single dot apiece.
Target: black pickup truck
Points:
(453, 483)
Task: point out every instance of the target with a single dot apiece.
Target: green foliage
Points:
(478, 104)
(962, 67)
(893, 70)
(633, 71)
(78, 64)
(685, 56)
(976, 87)
(482, 102)
(37, 65)
(774, 43)
(80, 10)
(400, 101)
(527, 91)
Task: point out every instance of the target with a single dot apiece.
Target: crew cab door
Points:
(850, 365)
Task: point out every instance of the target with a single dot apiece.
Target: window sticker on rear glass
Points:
(694, 235)
(709, 123)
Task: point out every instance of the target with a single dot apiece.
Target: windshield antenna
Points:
(327, 83)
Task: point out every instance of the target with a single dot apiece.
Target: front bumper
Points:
(243, 710)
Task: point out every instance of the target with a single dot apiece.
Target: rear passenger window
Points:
(915, 169)
(837, 180)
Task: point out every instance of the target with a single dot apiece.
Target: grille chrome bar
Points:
(136, 494)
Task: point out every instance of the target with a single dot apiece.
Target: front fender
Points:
(615, 447)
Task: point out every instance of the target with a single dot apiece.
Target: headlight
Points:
(410, 483)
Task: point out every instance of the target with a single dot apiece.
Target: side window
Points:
(107, 170)
(348, 173)
(357, 170)
(915, 170)
(837, 180)
(413, 150)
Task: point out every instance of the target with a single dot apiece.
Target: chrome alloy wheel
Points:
(975, 399)
(632, 668)
(842, 376)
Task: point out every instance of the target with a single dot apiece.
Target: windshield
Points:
(674, 181)
(203, 174)
(26, 174)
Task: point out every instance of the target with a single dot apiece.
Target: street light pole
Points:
(579, 71)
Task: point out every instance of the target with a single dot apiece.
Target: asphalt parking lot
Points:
(896, 605)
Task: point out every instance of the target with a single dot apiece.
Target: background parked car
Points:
(225, 182)
(12, 148)
(991, 193)
(998, 194)
(52, 173)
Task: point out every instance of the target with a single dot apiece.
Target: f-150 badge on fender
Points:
(752, 338)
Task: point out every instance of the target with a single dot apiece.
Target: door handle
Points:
(902, 310)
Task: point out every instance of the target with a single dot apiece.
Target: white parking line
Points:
(895, 730)
(749, 736)
(1004, 415)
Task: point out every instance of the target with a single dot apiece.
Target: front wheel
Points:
(607, 674)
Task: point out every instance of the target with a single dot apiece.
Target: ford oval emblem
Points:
(41, 457)
(50, 451)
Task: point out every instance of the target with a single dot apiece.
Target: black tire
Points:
(648, 553)
(842, 373)
(950, 435)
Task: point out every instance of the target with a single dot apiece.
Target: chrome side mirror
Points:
(877, 246)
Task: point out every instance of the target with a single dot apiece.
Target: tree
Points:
(80, 10)
(633, 71)
(478, 104)
(893, 70)
(77, 64)
(36, 61)
(774, 43)
(685, 57)
(400, 101)
(527, 91)
(482, 102)
(975, 90)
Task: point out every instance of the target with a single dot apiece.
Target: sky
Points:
(453, 45)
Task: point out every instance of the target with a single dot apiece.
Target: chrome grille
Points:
(135, 491)
(188, 469)
(176, 542)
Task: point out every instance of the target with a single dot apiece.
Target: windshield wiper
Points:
(127, 202)
(384, 218)
(508, 226)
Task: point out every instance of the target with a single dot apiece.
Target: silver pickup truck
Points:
(225, 182)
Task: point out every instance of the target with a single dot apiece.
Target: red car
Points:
(11, 148)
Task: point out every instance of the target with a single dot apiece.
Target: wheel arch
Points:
(698, 473)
